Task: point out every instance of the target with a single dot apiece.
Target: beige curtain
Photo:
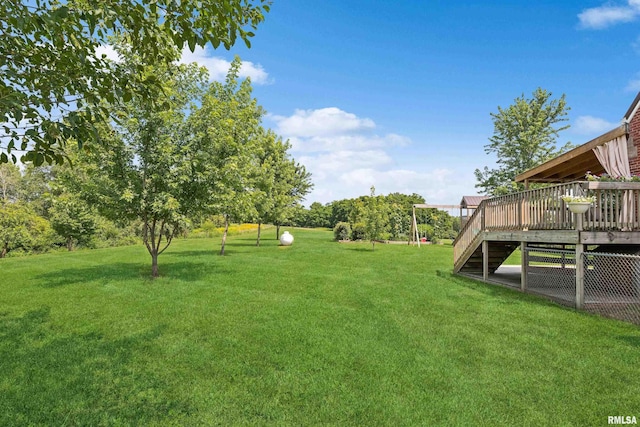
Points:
(614, 159)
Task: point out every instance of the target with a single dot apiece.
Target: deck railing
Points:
(616, 208)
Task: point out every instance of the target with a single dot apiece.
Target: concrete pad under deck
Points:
(505, 275)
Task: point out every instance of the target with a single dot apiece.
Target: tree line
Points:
(388, 216)
(197, 151)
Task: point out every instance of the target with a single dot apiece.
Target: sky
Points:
(398, 94)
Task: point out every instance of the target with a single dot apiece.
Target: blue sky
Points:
(399, 94)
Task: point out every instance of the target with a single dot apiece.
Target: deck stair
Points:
(498, 253)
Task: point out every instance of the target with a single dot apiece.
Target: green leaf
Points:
(61, 12)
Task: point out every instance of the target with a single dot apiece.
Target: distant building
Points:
(468, 205)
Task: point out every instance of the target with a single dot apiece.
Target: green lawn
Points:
(317, 333)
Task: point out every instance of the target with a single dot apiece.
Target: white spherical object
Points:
(286, 239)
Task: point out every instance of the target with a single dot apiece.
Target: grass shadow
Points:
(499, 293)
(103, 272)
(121, 272)
(631, 340)
(78, 379)
(360, 249)
(194, 253)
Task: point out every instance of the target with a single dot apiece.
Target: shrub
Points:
(342, 231)
(358, 231)
(109, 234)
(209, 226)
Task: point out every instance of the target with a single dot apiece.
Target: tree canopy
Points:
(53, 81)
(376, 221)
(525, 135)
(223, 140)
(9, 178)
(142, 171)
(280, 183)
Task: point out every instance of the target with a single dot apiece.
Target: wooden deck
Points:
(540, 216)
(539, 221)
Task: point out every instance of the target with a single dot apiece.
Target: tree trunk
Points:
(154, 264)
(149, 239)
(4, 251)
(224, 235)
(277, 231)
(70, 243)
(258, 241)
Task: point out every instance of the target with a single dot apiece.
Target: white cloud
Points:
(218, 67)
(607, 15)
(334, 164)
(344, 142)
(437, 186)
(636, 45)
(394, 179)
(330, 121)
(633, 85)
(346, 157)
(589, 125)
(108, 51)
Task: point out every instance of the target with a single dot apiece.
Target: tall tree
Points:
(143, 171)
(35, 188)
(524, 136)
(292, 183)
(225, 132)
(53, 81)
(73, 219)
(340, 210)
(281, 183)
(269, 151)
(399, 221)
(319, 215)
(375, 217)
(9, 181)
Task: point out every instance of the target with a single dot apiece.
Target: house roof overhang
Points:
(632, 109)
(574, 164)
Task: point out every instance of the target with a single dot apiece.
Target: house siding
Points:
(634, 144)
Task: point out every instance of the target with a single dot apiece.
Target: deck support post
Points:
(524, 264)
(579, 276)
(485, 260)
(579, 266)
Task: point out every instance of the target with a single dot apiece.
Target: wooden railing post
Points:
(519, 210)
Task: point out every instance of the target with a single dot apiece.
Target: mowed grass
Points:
(316, 333)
